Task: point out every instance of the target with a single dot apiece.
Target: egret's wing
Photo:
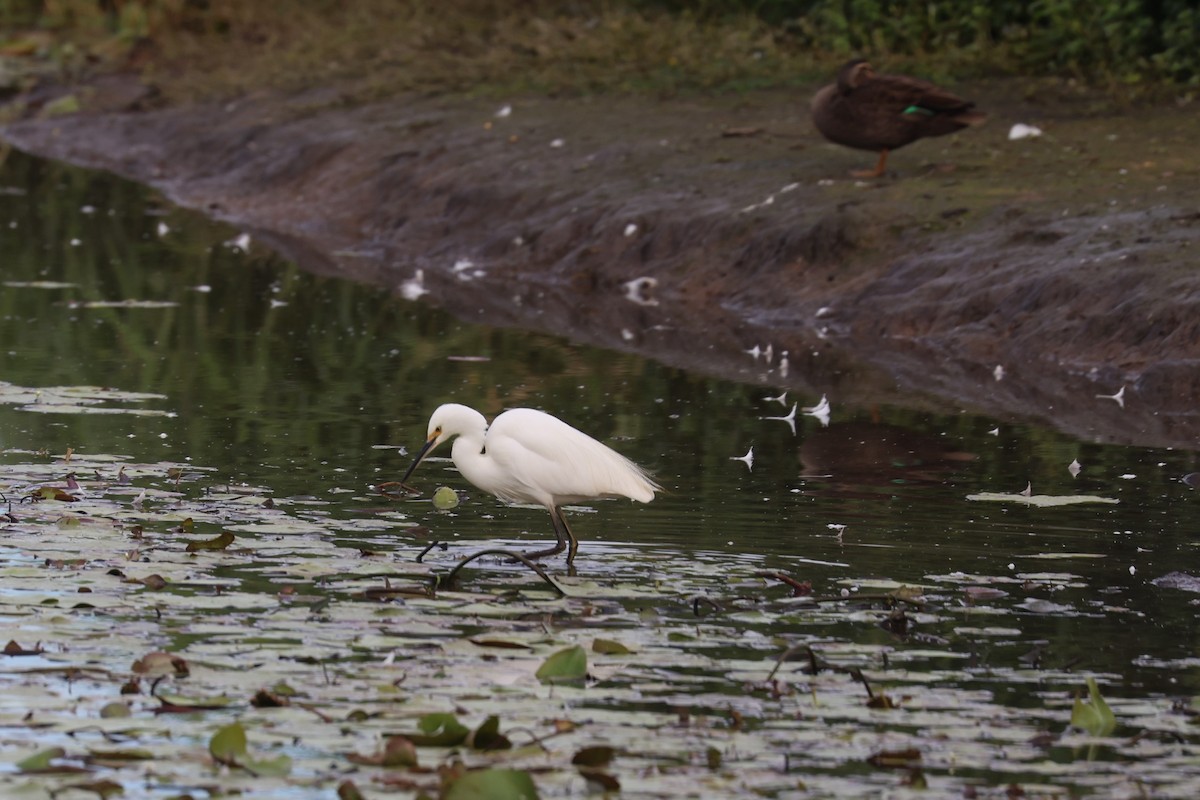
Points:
(554, 463)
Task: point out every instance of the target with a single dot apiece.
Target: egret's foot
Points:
(388, 489)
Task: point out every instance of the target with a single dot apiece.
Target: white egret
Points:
(528, 456)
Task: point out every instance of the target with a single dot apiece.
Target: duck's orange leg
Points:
(880, 166)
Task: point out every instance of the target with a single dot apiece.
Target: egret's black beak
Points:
(424, 451)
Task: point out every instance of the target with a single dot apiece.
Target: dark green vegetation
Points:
(194, 48)
(221, 603)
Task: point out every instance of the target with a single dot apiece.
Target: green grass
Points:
(201, 49)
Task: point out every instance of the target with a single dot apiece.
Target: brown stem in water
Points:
(433, 544)
(449, 579)
(696, 601)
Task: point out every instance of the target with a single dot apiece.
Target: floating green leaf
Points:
(598, 756)
(1094, 717)
(217, 543)
(53, 493)
(115, 710)
(228, 745)
(275, 767)
(103, 789)
(609, 647)
(488, 736)
(439, 730)
(564, 666)
(492, 784)
(445, 498)
(40, 760)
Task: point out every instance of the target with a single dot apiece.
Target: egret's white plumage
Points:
(528, 456)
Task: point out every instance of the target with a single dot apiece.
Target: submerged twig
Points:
(321, 715)
(696, 601)
(799, 588)
(435, 543)
(510, 554)
(535, 740)
(858, 675)
(791, 651)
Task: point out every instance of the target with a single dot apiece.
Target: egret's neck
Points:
(472, 462)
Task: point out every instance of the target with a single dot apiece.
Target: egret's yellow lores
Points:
(528, 456)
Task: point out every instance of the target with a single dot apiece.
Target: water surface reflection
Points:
(306, 386)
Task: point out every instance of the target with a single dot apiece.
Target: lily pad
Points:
(493, 784)
(565, 666)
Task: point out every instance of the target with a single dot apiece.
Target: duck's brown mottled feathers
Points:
(872, 111)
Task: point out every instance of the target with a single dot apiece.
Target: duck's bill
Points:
(424, 451)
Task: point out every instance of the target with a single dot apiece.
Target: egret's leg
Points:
(564, 537)
(570, 536)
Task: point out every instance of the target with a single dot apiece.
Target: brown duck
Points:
(870, 111)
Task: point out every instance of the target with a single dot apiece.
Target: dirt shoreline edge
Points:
(640, 224)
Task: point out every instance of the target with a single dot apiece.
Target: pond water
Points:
(256, 380)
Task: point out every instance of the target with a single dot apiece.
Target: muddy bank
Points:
(1070, 260)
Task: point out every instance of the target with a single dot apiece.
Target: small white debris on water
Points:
(994, 432)
(462, 265)
(556, 143)
(824, 311)
(821, 411)
(203, 288)
(755, 206)
(1023, 131)
(781, 399)
(503, 111)
(636, 290)
(162, 229)
(1133, 570)
(627, 334)
(631, 229)
(241, 242)
(76, 242)
(998, 372)
(1074, 467)
(87, 209)
(414, 287)
(1119, 397)
(790, 419)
